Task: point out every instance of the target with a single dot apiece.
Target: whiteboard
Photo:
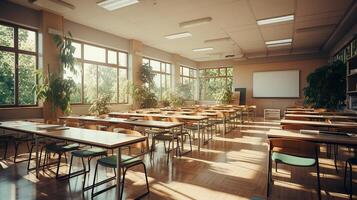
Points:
(276, 84)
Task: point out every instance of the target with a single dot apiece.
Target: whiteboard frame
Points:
(278, 70)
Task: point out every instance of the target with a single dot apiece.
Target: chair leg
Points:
(16, 149)
(335, 156)
(58, 164)
(269, 174)
(123, 184)
(345, 176)
(94, 177)
(276, 166)
(189, 137)
(85, 174)
(146, 178)
(5, 150)
(30, 155)
(351, 190)
(318, 180)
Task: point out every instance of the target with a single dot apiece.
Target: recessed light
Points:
(203, 49)
(178, 35)
(218, 40)
(275, 20)
(279, 45)
(116, 4)
(289, 40)
(195, 22)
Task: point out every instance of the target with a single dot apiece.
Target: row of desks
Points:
(104, 139)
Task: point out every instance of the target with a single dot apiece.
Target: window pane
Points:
(123, 59)
(145, 61)
(222, 71)
(90, 82)
(163, 67)
(155, 65)
(180, 70)
(229, 71)
(157, 85)
(186, 71)
(168, 68)
(76, 97)
(93, 53)
(6, 36)
(27, 79)
(78, 51)
(7, 78)
(27, 40)
(168, 81)
(212, 72)
(107, 82)
(112, 57)
(123, 85)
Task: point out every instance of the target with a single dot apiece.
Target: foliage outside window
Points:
(162, 76)
(188, 81)
(18, 65)
(100, 72)
(213, 80)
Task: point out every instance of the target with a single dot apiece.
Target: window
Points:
(188, 81)
(162, 78)
(100, 71)
(18, 65)
(212, 80)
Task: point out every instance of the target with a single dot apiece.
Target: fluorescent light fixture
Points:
(218, 40)
(275, 20)
(203, 49)
(195, 22)
(279, 45)
(116, 4)
(289, 40)
(178, 35)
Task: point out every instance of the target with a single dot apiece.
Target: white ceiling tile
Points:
(272, 8)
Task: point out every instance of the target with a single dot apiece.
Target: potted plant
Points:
(53, 88)
(144, 95)
(100, 106)
(327, 87)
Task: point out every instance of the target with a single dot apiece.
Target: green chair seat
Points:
(156, 131)
(293, 160)
(61, 148)
(352, 160)
(111, 161)
(89, 152)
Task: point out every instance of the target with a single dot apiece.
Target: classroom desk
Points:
(196, 118)
(138, 122)
(104, 139)
(349, 125)
(321, 117)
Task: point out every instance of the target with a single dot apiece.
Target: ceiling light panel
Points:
(278, 45)
(116, 4)
(195, 22)
(203, 49)
(178, 35)
(275, 20)
(289, 40)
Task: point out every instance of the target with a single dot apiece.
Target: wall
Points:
(244, 73)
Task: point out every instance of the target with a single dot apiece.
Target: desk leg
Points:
(199, 135)
(37, 160)
(118, 173)
(182, 139)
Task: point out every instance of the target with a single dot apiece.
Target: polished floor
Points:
(228, 167)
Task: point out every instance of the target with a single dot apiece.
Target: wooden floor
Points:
(228, 167)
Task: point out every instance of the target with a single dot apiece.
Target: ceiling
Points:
(150, 20)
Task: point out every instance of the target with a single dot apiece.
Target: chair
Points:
(294, 153)
(153, 131)
(350, 162)
(182, 133)
(4, 140)
(127, 162)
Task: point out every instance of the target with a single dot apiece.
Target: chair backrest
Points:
(73, 124)
(173, 119)
(53, 121)
(293, 147)
(90, 125)
(112, 127)
(151, 118)
(140, 145)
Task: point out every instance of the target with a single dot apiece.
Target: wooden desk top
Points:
(322, 138)
(322, 116)
(144, 123)
(319, 124)
(97, 138)
(184, 117)
(300, 109)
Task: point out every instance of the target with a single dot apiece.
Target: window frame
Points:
(192, 78)
(205, 78)
(81, 61)
(16, 52)
(161, 73)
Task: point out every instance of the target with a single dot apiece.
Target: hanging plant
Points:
(66, 51)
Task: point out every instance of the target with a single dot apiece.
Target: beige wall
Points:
(243, 79)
